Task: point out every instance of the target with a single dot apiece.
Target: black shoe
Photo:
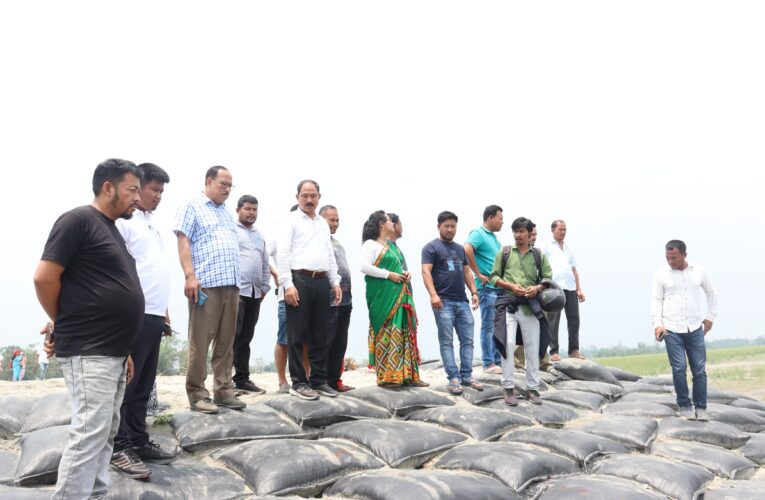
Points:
(303, 391)
(152, 452)
(128, 463)
(248, 386)
(325, 390)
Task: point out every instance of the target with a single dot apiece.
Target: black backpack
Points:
(537, 260)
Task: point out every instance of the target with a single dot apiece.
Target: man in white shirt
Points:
(681, 317)
(307, 270)
(253, 287)
(132, 444)
(41, 358)
(563, 264)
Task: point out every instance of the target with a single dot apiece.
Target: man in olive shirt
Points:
(519, 276)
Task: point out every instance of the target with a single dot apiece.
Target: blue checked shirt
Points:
(214, 245)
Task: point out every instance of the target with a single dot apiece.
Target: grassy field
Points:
(740, 369)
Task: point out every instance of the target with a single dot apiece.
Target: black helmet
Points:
(552, 299)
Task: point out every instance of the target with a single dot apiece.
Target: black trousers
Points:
(572, 319)
(339, 321)
(308, 324)
(145, 353)
(247, 318)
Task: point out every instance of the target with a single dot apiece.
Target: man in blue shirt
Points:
(480, 249)
(446, 273)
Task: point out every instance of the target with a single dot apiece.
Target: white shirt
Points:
(145, 244)
(677, 303)
(563, 263)
(271, 245)
(370, 250)
(41, 355)
(304, 243)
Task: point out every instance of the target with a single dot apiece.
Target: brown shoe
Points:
(533, 397)
(510, 398)
(576, 354)
(555, 357)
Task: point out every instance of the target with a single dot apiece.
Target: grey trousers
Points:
(530, 333)
(96, 385)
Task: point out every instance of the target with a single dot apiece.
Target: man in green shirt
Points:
(519, 277)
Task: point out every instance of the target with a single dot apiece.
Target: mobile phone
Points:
(201, 298)
(49, 332)
(167, 330)
(662, 335)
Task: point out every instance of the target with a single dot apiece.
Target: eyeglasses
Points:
(225, 185)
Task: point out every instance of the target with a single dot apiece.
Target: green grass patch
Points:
(166, 419)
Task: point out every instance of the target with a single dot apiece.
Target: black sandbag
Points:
(714, 433)
(643, 397)
(721, 397)
(478, 423)
(183, 479)
(717, 460)
(519, 381)
(13, 411)
(748, 404)
(399, 444)
(630, 387)
(550, 377)
(489, 393)
(517, 465)
(579, 446)
(577, 399)
(547, 414)
(609, 391)
(742, 419)
(195, 429)
(8, 462)
(735, 490)
(48, 411)
(635, 432)
(10, 493)
(41, 452)
(665, 380)
(325, 411)
(639, 409)
(585, 369)
(674, 479)
(395, 484)
(400, 400)
(594, 487)
(295, 466)
(623, 375)
(754, 449)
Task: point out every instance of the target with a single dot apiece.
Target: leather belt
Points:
(312, 274)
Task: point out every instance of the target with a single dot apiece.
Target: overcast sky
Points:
(634, 122)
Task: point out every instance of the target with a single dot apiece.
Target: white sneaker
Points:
(701, 415)
(686, 413)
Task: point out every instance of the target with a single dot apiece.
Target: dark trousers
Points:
(339, 321)
(145, 353)
(247, 318)
(308, 324)
(572, 319)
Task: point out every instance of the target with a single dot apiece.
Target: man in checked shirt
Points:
(682, 319)
(209, 252)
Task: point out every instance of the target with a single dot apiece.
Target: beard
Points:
(115, 201)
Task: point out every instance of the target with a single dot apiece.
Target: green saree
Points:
(392, 323)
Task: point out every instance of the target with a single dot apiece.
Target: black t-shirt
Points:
(448, 261)
(101, 306)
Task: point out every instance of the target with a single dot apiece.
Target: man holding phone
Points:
(209, 253)
(681, 320)
(132, 444)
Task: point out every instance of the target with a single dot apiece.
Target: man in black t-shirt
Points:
(87, 284)
(445, 272)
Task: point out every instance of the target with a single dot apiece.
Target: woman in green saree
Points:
(392, 316)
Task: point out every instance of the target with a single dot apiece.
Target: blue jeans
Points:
(490, 355)
(281, 335)
(96, 385)
(692, 344)
(456, 315)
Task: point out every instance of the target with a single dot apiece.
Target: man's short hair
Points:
(112, 170)
(300, 185)
(151, 172)
(555, 223)
(394, 218)
(522, 223)
(325, 208)
(294, 207)
(491, 211)
(246, 198)
(445, 216)
(212, 172)
(679, 244)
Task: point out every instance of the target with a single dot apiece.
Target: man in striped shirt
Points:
(681, 317)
